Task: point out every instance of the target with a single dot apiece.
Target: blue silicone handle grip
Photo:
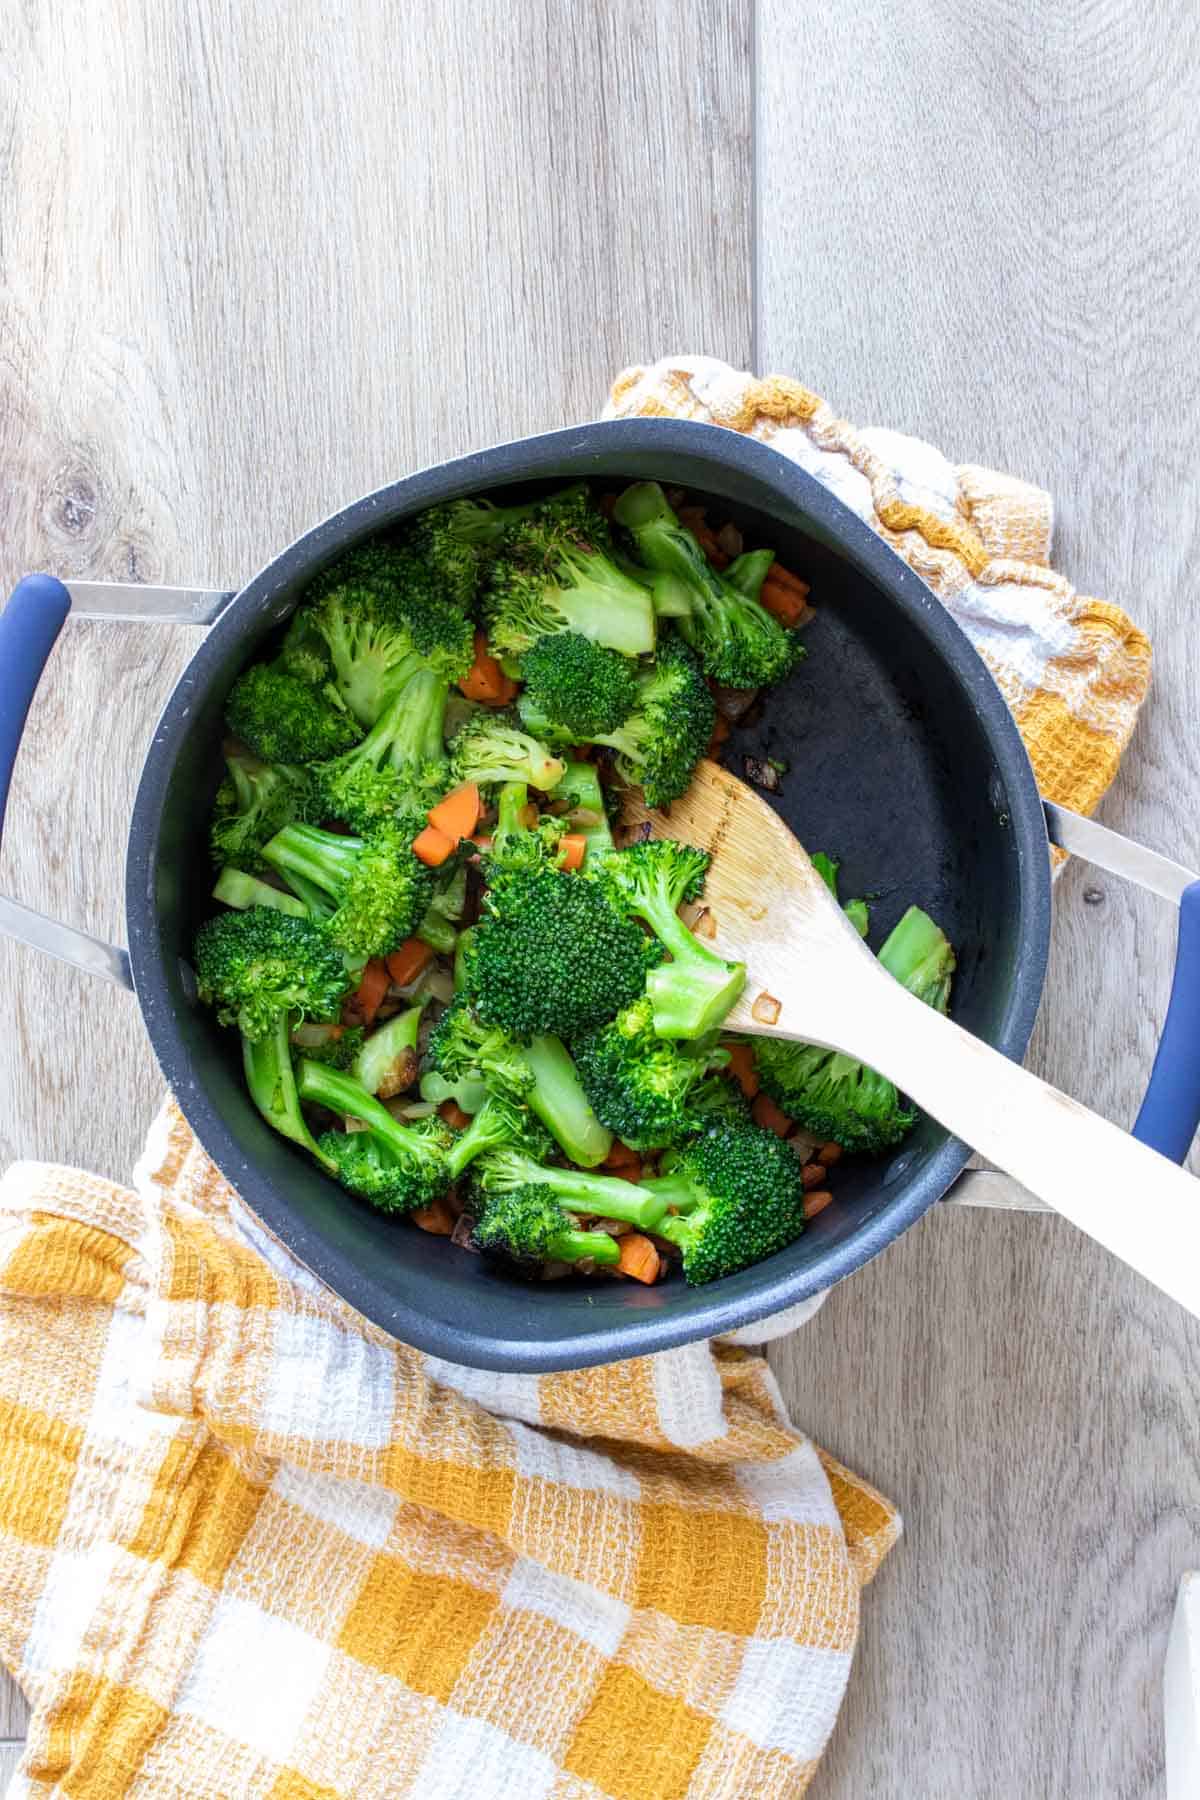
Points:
(29, 625)
(1171, 1110)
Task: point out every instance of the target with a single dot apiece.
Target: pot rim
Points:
(267, 599)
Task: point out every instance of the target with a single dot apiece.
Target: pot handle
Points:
(1171, 1110)
(29, 627)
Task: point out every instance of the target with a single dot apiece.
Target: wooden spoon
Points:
(811, 977)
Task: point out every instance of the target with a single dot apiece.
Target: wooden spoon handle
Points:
(1143, 1208)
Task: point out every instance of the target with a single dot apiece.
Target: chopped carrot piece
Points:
(765, 1112)
(454, 1115)
(405, 963)
(573, 848)
(620, 1156)
(785, 578)
(830, 1153)
(639, 1258)
(432, 846)
(783, 603)
(458, 814)
(816, 1202)
(720, 730)
(485, 680)
(741, 1068)
(436, 1217)
(367, 997)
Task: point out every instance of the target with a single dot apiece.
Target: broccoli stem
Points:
(662, 540)
(581, 783)
(383, 1049)
(322, 858)
(320, 1085)
(558, 1100)
(670, 595)
(235, 888)
(490, 1128)
(423, 702)
(827, 869)
(918, 955)
(691, 994)
(437, 931)
(673, 1190)
(468, 1091)
(859, 916)
(574, 1246)
(748, 572)
(604, 604)
(271, 1080)
(605, 1196)
(510, 808)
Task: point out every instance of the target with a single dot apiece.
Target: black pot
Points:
(904, 761)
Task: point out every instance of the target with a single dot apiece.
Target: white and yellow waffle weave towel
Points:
(251, 1547)
(1073, 669)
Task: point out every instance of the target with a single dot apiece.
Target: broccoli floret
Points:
(396, 1167)
(255, 800)
(692, 993)
(257, 965)
(717, 1100)
(736, 638)
(380, 633)
(556, 577)
(602, 1196)
(641, 1085)
(832, 1095)
(491, 747)
(461, 1044)
(285, 719)
(523, 842)
(540, 1074)
(668, 730)
(500, 1121)
(739, 1196)
(271, 1079)
(552, 954)
(457, 539)
(581, 687)
(400, 764)
(377, 889)
(526, 1227)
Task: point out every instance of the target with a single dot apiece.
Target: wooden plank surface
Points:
(236, 294)
(257, 262)
(977, 223)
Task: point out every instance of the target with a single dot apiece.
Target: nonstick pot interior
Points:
(902, 760)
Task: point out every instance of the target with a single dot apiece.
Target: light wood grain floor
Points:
(258, 260)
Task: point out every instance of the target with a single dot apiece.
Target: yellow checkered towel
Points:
(253, 1547)
(1074, 670)
(250, 1546)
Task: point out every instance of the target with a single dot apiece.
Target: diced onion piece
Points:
(310, 1036)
